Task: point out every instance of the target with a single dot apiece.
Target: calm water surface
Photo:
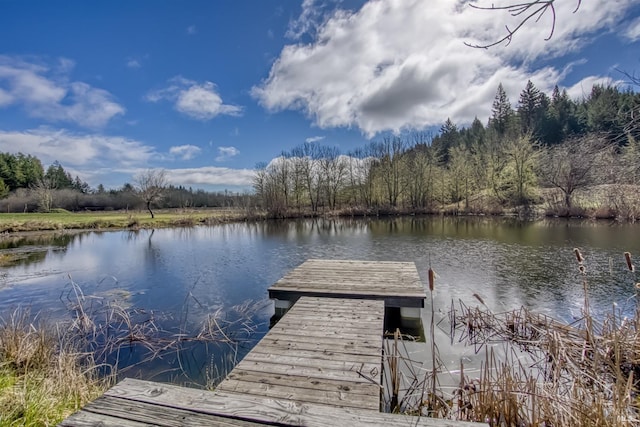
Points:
(182, 275)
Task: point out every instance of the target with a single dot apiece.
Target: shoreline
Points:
(33, 225)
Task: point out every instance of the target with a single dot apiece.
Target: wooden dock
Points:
(319, 366)
(325, 350)
(396, 283)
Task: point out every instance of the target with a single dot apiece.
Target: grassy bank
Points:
(43, 376)
(64, 220)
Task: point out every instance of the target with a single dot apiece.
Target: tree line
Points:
(543, 152)
(25, 186)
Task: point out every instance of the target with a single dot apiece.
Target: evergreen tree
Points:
(80, 185)
(501, 112)
(449, 137)
(31, 170)
(529, 108)
(58, 177)
(562, 118)
(602, 108)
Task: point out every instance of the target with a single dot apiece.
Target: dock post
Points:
(281, 306)
(410, 317)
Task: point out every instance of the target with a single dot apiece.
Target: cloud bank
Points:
(211, 175)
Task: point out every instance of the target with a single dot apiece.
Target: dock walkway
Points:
(320, 365)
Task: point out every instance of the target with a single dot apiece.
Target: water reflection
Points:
(187, 273)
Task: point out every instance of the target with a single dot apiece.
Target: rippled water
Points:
(184, 274)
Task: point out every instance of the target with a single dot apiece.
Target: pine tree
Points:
(563, 112)
(449, 137)
(529, 109)
(501, 112)
(58, 177)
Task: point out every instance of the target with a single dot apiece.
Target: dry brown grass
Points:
(43, 376)
(536, 371)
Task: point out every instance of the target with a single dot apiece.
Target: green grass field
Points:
(63, 220)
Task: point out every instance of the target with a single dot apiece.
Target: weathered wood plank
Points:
(296, 361)
(303, 382)
(112, 411)
(257, 409)
(294, 343)
(326, 318)
(341, 305)
(277, 351)
(89, 419)
(292, 391)
(355, 374)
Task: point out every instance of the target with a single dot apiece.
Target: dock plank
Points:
(262, 409)
(117, 412)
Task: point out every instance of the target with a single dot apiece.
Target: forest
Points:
(544, 156)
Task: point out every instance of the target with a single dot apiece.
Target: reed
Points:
(536, 370)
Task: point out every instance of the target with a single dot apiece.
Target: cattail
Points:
(432, 279)
(578, 254)
(627, 257)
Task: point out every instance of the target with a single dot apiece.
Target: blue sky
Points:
(207, 89)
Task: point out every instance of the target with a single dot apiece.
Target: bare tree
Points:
(390, 166)
(43, 189)
(575, 164)
(333, 167)
(151, 185)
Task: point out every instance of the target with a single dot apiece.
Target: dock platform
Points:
(396, 283)
(320, 365)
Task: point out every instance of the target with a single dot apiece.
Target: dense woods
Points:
(553, 154)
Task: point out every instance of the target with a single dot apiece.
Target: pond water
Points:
(173, 279)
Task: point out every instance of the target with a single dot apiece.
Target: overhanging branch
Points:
(527, 11)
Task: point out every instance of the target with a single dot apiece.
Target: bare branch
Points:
(529, 10)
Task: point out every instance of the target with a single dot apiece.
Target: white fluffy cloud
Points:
(398, 64)
(91, 151)
(185, 152)
(211, 175)
(46, 92)
(199, 101)
(225, 153)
